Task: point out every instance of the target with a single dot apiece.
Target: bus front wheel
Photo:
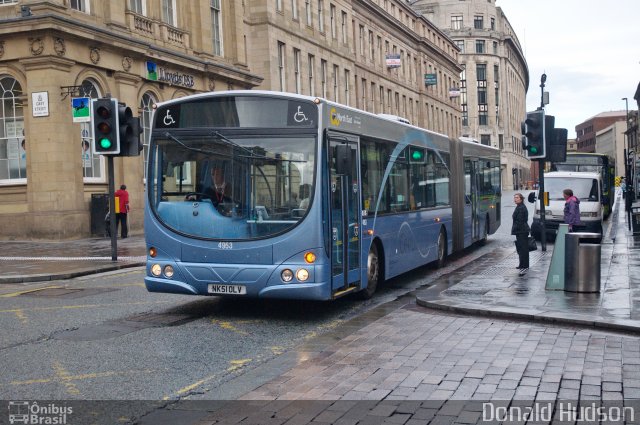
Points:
(373, 273)
(442, 249)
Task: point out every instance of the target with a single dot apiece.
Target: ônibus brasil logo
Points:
(28, 413)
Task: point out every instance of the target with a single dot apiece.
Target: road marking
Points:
(235, 365)
(72, 307)
(67, 377)
(63, 375)
(27, 291)
(21, 316)
(226, 325)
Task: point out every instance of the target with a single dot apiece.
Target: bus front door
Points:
(344, 208)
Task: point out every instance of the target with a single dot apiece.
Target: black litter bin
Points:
(582, 257)
(635, 220)
(99, 208)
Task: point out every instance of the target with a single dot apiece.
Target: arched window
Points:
(146, 104)
(13, 154)
(92, 165)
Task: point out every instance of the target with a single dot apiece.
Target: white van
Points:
(587, 187)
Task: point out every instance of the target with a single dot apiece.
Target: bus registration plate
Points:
(215, 288)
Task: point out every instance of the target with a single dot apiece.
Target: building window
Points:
(481, 72)
(80, 5)
(137, 6)
(343, 24)
(332, 20)
(321, 15)
(373, 97)
(336, 84)
(482, 95)
(478, 22)
(279, 5)
(496, 73)
(312, 64)
(483, 118)
(146, 111)
(493, 24)
(281, 69)
(216, 27)
(169, 12)
(361, 40)
(456, 22)
(495, 47)
(13, 144)
(8, 2)
(479, 46)
(372, 47)
(296, 69)
(460, 44)
(347, 82)
(294, 8)
(309, 13)
(92, 165)
(485, 139)
(323, 77)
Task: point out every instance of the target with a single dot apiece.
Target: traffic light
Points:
(416, 155)
(130, 131)
(533, 129)
(104, 122)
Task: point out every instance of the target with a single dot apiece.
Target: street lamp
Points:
(630, 189)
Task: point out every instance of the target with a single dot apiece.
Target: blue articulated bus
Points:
(277, 195)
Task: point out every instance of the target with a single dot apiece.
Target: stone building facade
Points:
(138, 51)
(369, 54)
(58, 54)
(494, 80)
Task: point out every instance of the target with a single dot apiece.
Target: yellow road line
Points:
(27, 291)
(72, 307)
(235, 365)
(81, 377)
(63, 375)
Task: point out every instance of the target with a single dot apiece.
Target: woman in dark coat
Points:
(520, 229)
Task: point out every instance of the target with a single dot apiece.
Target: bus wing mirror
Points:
(343, 156)
(532, 197)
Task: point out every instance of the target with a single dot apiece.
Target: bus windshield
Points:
(232, 187)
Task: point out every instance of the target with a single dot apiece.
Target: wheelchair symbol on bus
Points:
(168, 119)
(300, 116)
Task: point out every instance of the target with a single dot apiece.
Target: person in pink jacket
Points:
(571, 209)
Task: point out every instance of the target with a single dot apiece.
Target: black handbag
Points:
(532, 244)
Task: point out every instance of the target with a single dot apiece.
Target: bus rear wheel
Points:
(373, 273)
(442, 249)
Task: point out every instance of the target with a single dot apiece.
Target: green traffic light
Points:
(533, 150)
(416, 155)
(105, 143)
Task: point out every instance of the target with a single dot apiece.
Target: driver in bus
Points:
(218, 192)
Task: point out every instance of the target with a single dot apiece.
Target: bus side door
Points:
(345, 211)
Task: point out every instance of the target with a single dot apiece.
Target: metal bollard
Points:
(582, 257)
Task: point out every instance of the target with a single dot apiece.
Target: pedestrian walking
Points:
(122, 198)
(571, 209)
(520, 228)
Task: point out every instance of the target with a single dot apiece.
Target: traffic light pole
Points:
(112, 210)
(543, 226)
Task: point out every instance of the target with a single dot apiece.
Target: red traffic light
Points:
(103, 112)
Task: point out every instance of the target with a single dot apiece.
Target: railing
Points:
(159, 31)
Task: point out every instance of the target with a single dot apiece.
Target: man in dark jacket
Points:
(520, 228)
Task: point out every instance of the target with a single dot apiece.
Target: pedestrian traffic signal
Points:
(416, 155)
(533, 129)
(104, 123)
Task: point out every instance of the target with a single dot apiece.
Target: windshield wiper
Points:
(205, 151)
(252, 154)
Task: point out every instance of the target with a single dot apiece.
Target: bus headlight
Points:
(302, 275)
(168, 271)
(286, 275)
(156, 270)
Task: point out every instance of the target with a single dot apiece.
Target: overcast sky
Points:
(590, 51)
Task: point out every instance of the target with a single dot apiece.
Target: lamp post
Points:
(630, 189)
